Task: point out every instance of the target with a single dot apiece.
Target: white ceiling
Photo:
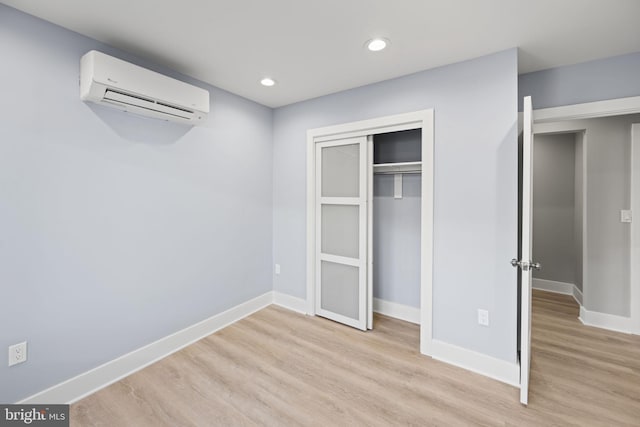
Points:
(315, 47)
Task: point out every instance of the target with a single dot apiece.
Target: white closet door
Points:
(341, 231)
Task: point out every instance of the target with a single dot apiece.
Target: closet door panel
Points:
(341, 171)
(340, 230)
(340, 289)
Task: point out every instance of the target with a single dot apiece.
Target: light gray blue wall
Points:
(396, 240)
(475, 189)
(117, 230)
(608, 258)
(610, 78)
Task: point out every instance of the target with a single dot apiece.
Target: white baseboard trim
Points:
(606, 321)
(479, 363)
(577, 295)
(398, 311)
(95, 379)
(292, 303)
(589, 318)
(553, 286)
(563, 288)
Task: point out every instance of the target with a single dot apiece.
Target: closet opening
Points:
(395, 217)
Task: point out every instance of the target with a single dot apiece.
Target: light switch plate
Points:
(277, 269)
(626, 215)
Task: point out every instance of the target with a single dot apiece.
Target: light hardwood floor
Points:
(279, 368)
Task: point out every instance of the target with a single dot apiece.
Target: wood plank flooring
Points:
(279, 368)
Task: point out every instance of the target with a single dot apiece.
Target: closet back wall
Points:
(396, 240)
(117, 230)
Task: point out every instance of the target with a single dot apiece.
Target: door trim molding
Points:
(415, 120)
(588, 110)
(635, 229)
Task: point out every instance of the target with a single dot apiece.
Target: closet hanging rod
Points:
(393, 168)
(375, 172)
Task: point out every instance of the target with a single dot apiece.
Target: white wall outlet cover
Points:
(17, 353)
(483, 317)
(626, 215)
(277, 269)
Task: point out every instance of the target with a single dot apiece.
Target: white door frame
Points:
(589, 110)
(416, 120)
(635, 228)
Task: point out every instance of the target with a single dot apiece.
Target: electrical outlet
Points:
(277, 269)
(483, 317)
(626, 215)
(17, 353)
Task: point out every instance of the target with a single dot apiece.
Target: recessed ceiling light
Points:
(267, 81)
(376, 45)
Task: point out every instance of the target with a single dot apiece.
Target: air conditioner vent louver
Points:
(149, 104)
(174, 107)
(111, 81)
(108, 92)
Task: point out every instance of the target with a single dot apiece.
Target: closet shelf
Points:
(392, 168)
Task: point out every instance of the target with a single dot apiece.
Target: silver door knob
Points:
(522, 264)
(526, 265)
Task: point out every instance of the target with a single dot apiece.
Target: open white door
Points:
(526, 265)
(370, 232)
(341, 231)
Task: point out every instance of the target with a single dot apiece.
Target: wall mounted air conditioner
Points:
(111, 81)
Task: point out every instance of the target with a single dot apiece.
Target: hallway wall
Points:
(554, 207)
